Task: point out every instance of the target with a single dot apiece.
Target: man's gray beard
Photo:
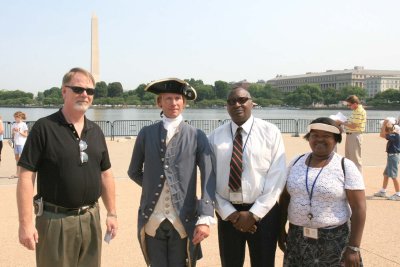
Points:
(81, 107)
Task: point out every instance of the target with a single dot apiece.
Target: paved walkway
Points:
(380, 245)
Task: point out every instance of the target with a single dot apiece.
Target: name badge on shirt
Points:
(236, 197)
(310, 232)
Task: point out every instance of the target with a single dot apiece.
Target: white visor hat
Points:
(323, 127)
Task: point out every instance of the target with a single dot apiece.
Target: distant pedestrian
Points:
(19, 133)
(390, 132)
(355, 127)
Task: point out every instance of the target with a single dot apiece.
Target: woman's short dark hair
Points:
(328, 121)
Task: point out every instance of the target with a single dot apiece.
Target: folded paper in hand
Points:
(338, 117)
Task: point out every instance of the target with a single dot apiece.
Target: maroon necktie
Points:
(236, 169)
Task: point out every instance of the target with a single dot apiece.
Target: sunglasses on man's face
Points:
(240, 100)
(79, 90)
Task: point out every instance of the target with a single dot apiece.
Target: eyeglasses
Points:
(84, 157)
(79, 90)
(240, 100)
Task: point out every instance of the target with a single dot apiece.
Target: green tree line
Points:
(209, 95)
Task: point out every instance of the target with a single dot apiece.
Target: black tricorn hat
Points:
(172, 85)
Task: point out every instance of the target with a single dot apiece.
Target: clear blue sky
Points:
(228, 40)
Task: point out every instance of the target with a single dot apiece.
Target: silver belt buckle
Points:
(84, 208)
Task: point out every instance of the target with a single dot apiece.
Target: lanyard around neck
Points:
(310, 193)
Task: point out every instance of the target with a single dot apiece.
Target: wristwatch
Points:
(355, 249)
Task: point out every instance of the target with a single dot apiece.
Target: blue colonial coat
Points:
(153, 163)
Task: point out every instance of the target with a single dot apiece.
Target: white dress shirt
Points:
(264, 165)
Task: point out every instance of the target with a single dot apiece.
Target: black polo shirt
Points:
(52, 150)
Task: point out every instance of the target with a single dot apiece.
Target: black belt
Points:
(354, 133)
(242, 204)
(67, 211)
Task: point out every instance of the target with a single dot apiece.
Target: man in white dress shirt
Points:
(251, 213)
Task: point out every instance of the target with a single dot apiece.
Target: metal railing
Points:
(133, 127)
(128, 127)
(207, 126)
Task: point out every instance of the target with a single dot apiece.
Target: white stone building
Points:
(376, 84)
(336, 79)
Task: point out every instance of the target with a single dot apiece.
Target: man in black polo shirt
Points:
(68, 154)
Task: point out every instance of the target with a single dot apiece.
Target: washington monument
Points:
(95, 66)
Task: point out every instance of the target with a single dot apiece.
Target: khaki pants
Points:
(353, 149)
(69, 241)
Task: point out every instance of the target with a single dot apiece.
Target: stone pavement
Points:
(379, 245)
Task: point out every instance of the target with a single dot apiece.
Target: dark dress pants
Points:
(166, 248)
(262, 244)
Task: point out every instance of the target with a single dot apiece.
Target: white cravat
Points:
(171, 124)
